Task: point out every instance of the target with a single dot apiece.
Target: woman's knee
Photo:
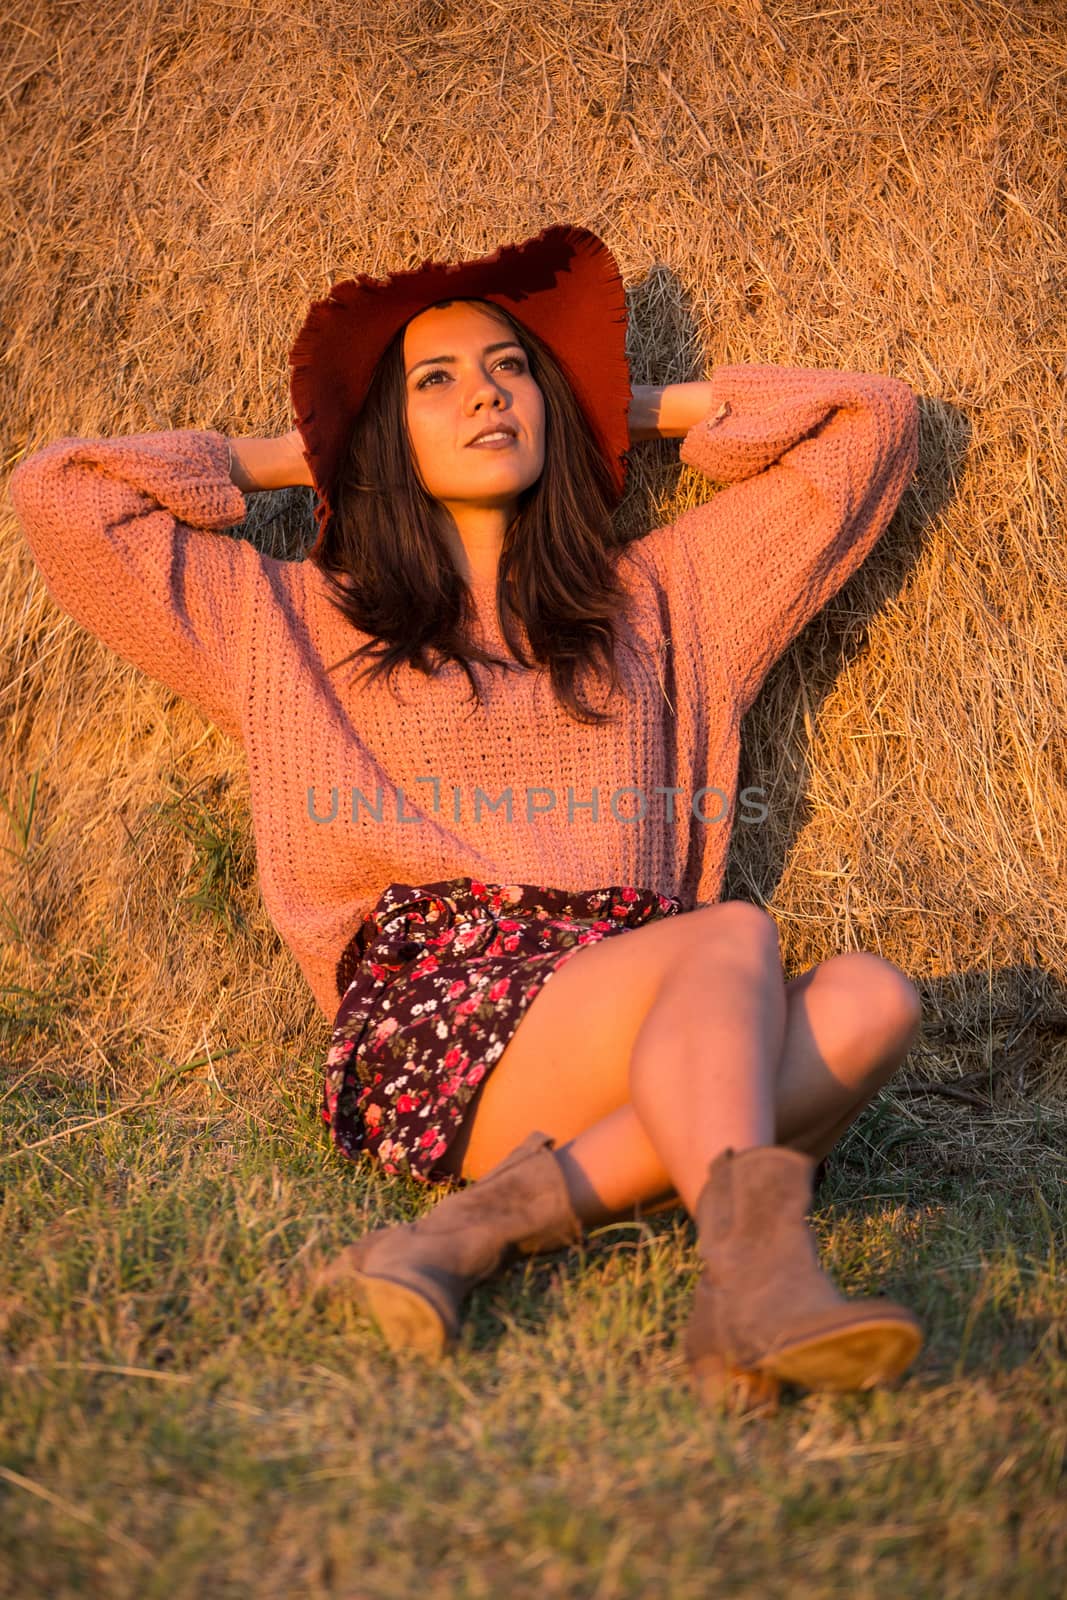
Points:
(738, 927)
(886, 1000)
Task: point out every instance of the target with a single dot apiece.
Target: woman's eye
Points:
(439, 372)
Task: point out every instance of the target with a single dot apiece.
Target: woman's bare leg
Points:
(840, 1020)
(647, 1063)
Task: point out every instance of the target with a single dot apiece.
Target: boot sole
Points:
(407, 1321)
(854, 1358)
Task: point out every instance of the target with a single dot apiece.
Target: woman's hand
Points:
(668, 412)
(269, 463)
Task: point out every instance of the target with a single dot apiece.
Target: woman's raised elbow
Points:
(903, 419)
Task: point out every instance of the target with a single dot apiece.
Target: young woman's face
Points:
(465, 374)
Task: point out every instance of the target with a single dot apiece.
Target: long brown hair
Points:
(389, 570)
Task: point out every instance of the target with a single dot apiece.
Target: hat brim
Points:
(563, 285)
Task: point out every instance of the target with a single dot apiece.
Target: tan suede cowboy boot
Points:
(764, 1311)
(412, 1278)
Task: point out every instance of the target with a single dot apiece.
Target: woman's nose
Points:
(484, 393)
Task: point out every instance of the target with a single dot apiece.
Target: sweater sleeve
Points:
(126, 534)
(815, 463)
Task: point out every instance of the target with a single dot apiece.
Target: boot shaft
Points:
(754, 1193)
(521, 1206)
(761, 1265)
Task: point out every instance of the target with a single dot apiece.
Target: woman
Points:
(465, 427)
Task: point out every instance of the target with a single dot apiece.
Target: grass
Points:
(177, 1419)
(218, 856)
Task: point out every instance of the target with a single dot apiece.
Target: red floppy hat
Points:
(563, 285)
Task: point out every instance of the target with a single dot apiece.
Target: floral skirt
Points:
(434, 983)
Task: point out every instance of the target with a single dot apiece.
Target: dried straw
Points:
(878, 186)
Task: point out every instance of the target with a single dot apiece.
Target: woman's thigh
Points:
(567, 1064)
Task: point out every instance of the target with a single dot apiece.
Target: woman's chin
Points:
(489, 487)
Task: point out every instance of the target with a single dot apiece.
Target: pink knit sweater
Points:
(128, 534)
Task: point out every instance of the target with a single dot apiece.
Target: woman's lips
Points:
(500, 443)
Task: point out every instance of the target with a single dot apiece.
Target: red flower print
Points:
(476, 1073)
(512, 943)
(429, 1137)
(509, 925)
(406, 1102)
(602, 927)
(439, 1149)
(499, 989)
(456, 989)
(477, 890)
(629, 894)
(373, 1115)
(452, 1058)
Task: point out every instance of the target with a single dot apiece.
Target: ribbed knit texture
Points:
(126, 533)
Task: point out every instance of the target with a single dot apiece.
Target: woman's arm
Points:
(128, 535)
(815, 463)
(668, 412)
(269, 463)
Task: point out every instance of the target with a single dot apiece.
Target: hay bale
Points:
(878, 187)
